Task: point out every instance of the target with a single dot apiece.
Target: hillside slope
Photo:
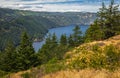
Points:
(86, 61)
(13, 22)
(76, 68)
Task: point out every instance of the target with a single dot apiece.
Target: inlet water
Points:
(59, 31)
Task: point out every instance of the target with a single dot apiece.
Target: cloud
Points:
(54, 5)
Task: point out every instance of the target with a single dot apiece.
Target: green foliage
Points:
(95, 48)
(71, 41)
(7, 58)
(97, 58)
(112, 57)
(79, 64)
(14, 22)
(98, 61)
(53, 48)
(34, 27)
(109, 19)
(47, 51)
(77, 36)
(26, 75)
(54, 41)
(2, 74)
(26, 55)
(21, 58)
(106, 25)
(53, 66)
(63, 40)
(94, 32)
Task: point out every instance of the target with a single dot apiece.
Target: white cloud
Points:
(64, 8)
(50, 5)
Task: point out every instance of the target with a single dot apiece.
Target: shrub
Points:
(112, 57)
(2, 73)
(26, 75)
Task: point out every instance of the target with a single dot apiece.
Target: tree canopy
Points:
(107, 23)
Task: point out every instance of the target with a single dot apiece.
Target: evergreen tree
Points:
(54, 40)
(26, 55)
(71, 41)
(7, 59)
(48, 39)
(108, 22)
(109, 19)
(48, 50)
(94, 32)
(77, 35)
(43, 53)
(63, 40)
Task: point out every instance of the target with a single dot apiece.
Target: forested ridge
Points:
(13, 22)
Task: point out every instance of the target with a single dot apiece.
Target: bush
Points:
(112, 57)
(26, 75)
(97, 58)
(2, 74)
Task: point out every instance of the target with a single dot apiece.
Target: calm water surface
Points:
(58, 31)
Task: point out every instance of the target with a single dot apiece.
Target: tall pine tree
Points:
(26, 54)
(7, 60)
(108, 22)
(77, 36)
(48, 50)
(71, 41)
(94, 32)
(63, 40)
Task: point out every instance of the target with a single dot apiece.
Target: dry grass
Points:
(86, 73)
(115, 41)
(17, 75)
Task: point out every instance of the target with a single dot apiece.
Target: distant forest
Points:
(13, 22)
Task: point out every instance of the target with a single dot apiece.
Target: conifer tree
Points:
(63, 40)
(109, 19)
(71, 41)
(26, 54)
(44, 52)
(94, 32)
(77, 36)
(48, 39)
(48, 50)
(108, 22)
(54, 40)
(7, 60)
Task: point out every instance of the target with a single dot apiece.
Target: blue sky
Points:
(55, 5)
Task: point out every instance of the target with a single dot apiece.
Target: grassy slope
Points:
(86, 73)
(89, 72)
(77, 53)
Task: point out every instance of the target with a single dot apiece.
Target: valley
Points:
(37, 24)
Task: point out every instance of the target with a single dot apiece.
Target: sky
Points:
(55, 5)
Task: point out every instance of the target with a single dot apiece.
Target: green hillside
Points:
(13, 22)
(99, 59)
